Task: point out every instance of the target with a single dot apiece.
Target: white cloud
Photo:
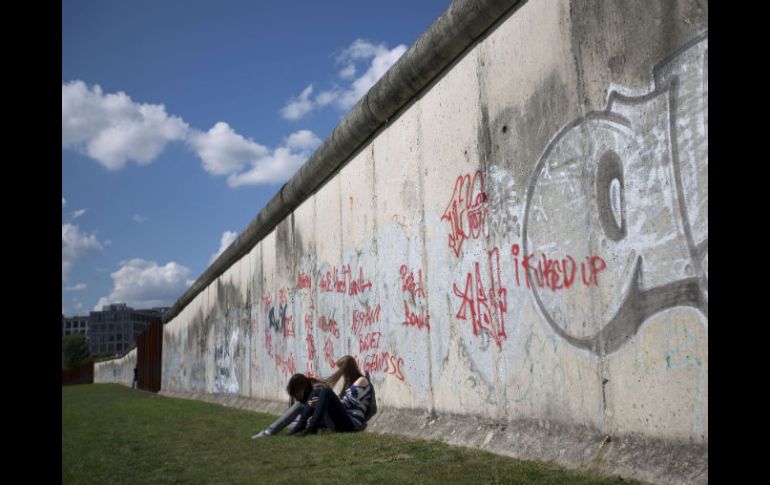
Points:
(75, 245)
(383, 58)
(303, 141)
(78, 213)
(63, 202)
(298, 107)
(145, 284)
(140, 218)
(278, 166)
(326, 97)
(245, 162)
(112, 129)
(227, 238)
(281, 164)
(78, 287)
(375, 60)
(348, 72)
(361, 49)
(224, 151)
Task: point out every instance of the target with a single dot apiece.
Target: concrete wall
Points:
(526, 241)
(120, 370)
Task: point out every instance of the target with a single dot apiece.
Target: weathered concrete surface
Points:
(523, 243)
(120, 371)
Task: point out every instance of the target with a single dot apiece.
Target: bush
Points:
(75, 351)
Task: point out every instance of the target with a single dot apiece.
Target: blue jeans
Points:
(294, 417)
(287, 418)
(328, 410)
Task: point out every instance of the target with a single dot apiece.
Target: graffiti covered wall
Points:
(526, 240)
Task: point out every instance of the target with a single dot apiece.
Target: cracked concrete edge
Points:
(463, 22)
(575, 447)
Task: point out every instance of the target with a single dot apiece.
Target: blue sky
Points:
(181, 119)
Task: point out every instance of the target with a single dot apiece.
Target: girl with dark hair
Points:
(347, 412)
(313, 402)
(299, 389)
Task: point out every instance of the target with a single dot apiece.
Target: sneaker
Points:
(305, 432)
(261, 434)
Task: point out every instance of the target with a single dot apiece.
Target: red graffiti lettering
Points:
(311, 352)
(342, 281)
(282, 296)
(487, 308)
(409, 284)
(556, 274)
(384, 362)
(288, 326)
(340, 285)
(329, 326)
(529, 269)
(414, 320)
(568, 274)
(515, 252)
(268, 342)
(267, 302)
(286, 367)
(329, 353)
(551, 273)
(303, 280)
(396, 363)
(466, 211)
(310, 347)
(365, 318)
(377, 362)
(370, 341)
(325, 283)
(358, 285)
(597, 265)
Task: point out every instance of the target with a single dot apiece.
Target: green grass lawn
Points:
(112, 434)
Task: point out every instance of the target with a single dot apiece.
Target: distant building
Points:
(116, 328)
(161, 309)
(73, 325)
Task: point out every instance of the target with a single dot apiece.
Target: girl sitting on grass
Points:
(349, 411)
(314, 404)
(299, 389)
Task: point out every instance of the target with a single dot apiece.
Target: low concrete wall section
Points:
(120, 370)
